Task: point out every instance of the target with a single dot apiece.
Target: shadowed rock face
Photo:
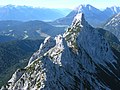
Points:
(77, 60)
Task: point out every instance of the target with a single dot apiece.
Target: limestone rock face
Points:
(80, 59)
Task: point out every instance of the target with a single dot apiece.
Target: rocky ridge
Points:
(79, 59)
(113, 25)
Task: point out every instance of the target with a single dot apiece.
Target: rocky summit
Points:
(80, 59)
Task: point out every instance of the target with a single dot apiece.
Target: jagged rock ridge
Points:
(113, 25)
(78, 60)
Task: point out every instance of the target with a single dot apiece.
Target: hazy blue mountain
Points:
(26, 13)
(110, 11)
(80, 59)
(94, 16)
(28, 30)
(113, 25)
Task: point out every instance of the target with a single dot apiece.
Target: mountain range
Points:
(113, 25)
(94, 16)
(80, 59)
(77, 56)
(26, 13)
(28, 30)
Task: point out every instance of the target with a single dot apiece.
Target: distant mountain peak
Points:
(83, 7)
(93, 15)
(27, 13)
(112, 10)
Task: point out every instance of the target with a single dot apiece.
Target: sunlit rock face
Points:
(80, 59)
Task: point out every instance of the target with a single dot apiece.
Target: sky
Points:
(62, 3)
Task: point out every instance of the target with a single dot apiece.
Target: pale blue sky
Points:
(62, 3)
